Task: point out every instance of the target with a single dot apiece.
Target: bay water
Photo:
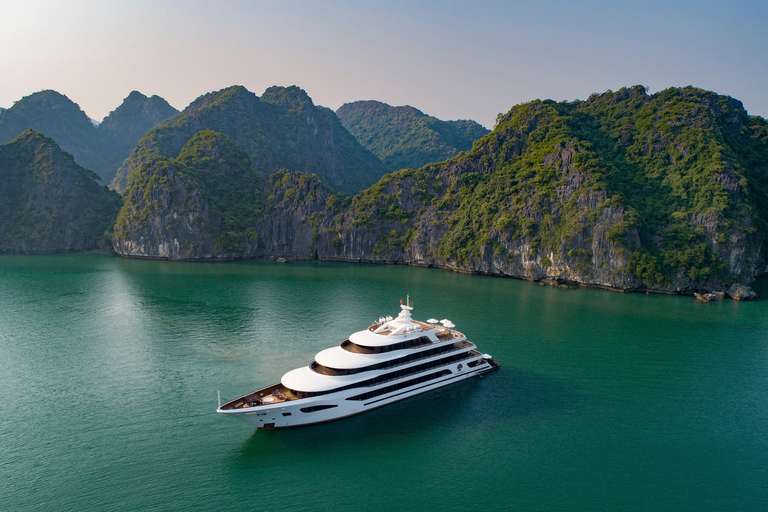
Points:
(109, 370)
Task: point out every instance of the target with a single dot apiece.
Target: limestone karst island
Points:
(624, 190)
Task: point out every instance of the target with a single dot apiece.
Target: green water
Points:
(605, 401)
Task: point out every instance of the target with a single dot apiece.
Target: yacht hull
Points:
(326, 408)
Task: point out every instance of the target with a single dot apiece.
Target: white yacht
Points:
(395, 358)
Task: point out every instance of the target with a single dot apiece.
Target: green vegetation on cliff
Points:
(213, 164)
(124, 127)
(48, 203)
(684, 170)
(406, 137)
(208, 198)
(59, 118)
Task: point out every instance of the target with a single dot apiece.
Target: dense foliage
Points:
(624, 190)
(282, 129)
(406, 137)
(59, 118)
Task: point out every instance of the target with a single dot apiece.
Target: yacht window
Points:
(318, 408)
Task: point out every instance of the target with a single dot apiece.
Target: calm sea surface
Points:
(605, 401)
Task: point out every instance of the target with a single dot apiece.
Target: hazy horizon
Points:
(451, 60)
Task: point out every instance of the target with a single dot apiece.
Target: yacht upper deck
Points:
(350, 355)
(388, 331)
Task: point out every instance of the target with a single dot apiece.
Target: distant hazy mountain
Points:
(100, 147)
(406, 137)
(281, 129)
(124, 127)
(48, 203)
(59, 118)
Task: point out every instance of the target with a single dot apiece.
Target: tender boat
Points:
(395, 358)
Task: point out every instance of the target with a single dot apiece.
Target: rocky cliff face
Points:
(626, 190)
(200, 205)
(47, 202)
(407, 229)
(291, 228)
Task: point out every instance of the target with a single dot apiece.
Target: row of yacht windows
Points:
(325, 370)
(400, 385)
(360, 349)
(389, 376)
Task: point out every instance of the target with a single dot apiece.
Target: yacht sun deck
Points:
(267, 396)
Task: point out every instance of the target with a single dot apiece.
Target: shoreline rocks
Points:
(740, 292)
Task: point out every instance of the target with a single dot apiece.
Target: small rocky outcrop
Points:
(708, 297)
(740, 292)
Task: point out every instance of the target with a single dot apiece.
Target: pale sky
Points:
(453, 60)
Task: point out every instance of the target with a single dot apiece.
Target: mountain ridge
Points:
(281, 129)
(664, 192)
(406, 137)
(99, 147)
